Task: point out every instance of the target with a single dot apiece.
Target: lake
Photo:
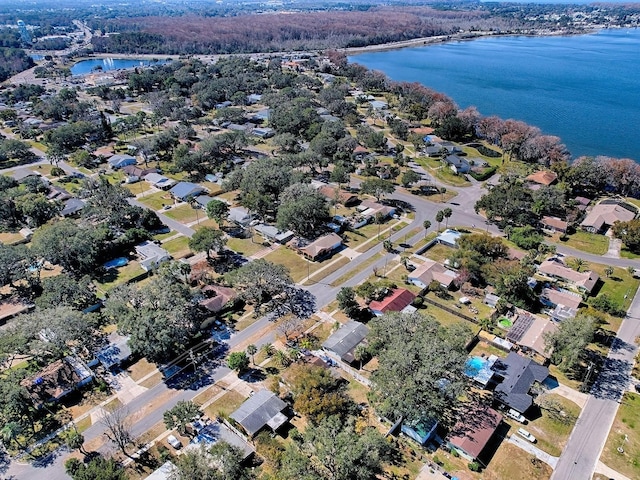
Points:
(88, 66)
(584, 89)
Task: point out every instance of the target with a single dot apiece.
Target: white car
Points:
(523, 433)
(518, 417)
(174, 442)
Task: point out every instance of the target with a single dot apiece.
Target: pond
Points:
(106, 64)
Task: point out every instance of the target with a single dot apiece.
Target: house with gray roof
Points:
(159, 181)
(72, 207)
(263, 409)
(457, 164)
(518, 375)
(239, 216)
(344, 341)
(184, 190)
(120, 161)
(274, 234)
(151, 255)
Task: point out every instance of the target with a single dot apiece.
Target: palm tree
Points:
(579, 263)
(251, 351)
(608, 271)
(281, 358)
(426, 224)
(442, 192)
(267, 349)
(360, 353)
(447, 212)
(439, 218)
(10, 433)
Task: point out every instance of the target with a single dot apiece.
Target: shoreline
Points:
(457, 37)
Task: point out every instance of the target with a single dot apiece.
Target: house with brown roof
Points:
(370, 209)
(430, 271)
(216, 297)
(398, 300)
(605, 214)
(341, 196)
(473, 432)
(528, 332)
(320, 247)
(542, 178)
(554, 224)
(555, 268)
(56, 380)
(135, 171)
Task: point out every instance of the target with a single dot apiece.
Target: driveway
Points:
(533, 450)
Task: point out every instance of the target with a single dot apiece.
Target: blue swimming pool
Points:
(474, 365)
(479, 369)
(116, 262)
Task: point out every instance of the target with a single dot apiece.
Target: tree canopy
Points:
(421, 366)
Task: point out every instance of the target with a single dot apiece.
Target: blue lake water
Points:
(87, 66)
(584, 89)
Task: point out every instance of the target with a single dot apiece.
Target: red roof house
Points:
(398, 300)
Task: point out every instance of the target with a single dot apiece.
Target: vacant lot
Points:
(625, 435)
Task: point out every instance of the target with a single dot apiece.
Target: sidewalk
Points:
(535, 451)
(609, 472)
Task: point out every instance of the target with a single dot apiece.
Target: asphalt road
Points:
(579, 458)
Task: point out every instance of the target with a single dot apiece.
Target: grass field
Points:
(585, 242)
(625, 434)
(157, 200)
(225, 405)
(178, 247)
(185, 214)
(298, 267)
(118, 276)
(245, 246)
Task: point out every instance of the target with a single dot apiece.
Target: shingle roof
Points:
(472, 433)
(399, 299)
(258, 411)
(519, 375)
(555, 267)
(607, 214)
(543, 177)
(183, 190)
(345, 339)
(430, 270)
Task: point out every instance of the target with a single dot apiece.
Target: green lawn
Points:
(118, 276)
(587, 242)
(186, 214)
(245, 246)
(552, 434)
(9, 238)
(178, 247)
(157, 200)
(138, 187)
(626, 253)
(298, 266)
(163, 236)
(620, 283)
(225, 405)
(625, 434)
(447, 176)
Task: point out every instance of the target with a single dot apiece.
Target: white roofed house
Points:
(606, 213)
(555, 267)
(430, 271)
(120, 161)
(151, 255)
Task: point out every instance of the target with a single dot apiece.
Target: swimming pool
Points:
(479, 369)
(116, 262)
(504, 322)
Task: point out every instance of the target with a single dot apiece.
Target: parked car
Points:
(523, 433)
(174, 442)
(518, 417)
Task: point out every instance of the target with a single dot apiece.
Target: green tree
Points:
(75, 440)
(408, 178)
(377, 187)
(220, 461)
(183, 413)
(317, 393)
(526, 237)
(260, 281)
(567, 345)
(10, 433)
(302, 209)
(238, 361)
(218, 210)
(63, 290)
(99, 468)
(421, 366)
(346, 298)
(207, 239)
(426, 225)
(629, 233)
(332, 450)
(608, 271)
(251, 351)
(447, 212)
(439, 218)
(579, 264)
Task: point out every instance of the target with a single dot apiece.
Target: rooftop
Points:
(345, 339)
(262, 409)
(476, 427)
(395, 302)
(519, 374)
(543, 177)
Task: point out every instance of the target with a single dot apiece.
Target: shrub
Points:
(474, 466)
(482, 176)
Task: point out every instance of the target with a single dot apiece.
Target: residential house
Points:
(151, 255)
(360, 152)
(58, 193)
(342, 196)
(215, 432)
(21, 175)
(528, 331)
(581, 203)
(371, 209)
(72, 207)
(263, 132)
(564, 303)
(254, 98)
(116, 352)
(554, 224)
(321, 247)
(343, 342)
(450, 147)
(57, 380)
(263, 409)
(273, 234)
(240, 216)
(378, 105)
(491, 300)
(473, 432)
(164, 472)
(120, 161)
(541, 178)
(605, 214)
(518, 374)
(457, 164)
(555, 268)
(184, 190)
(216, 297)
(159, 181)
(135, 171)
(397, 301)
(203, 201)
(430, 271)
(449, 238)
(421, 431)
